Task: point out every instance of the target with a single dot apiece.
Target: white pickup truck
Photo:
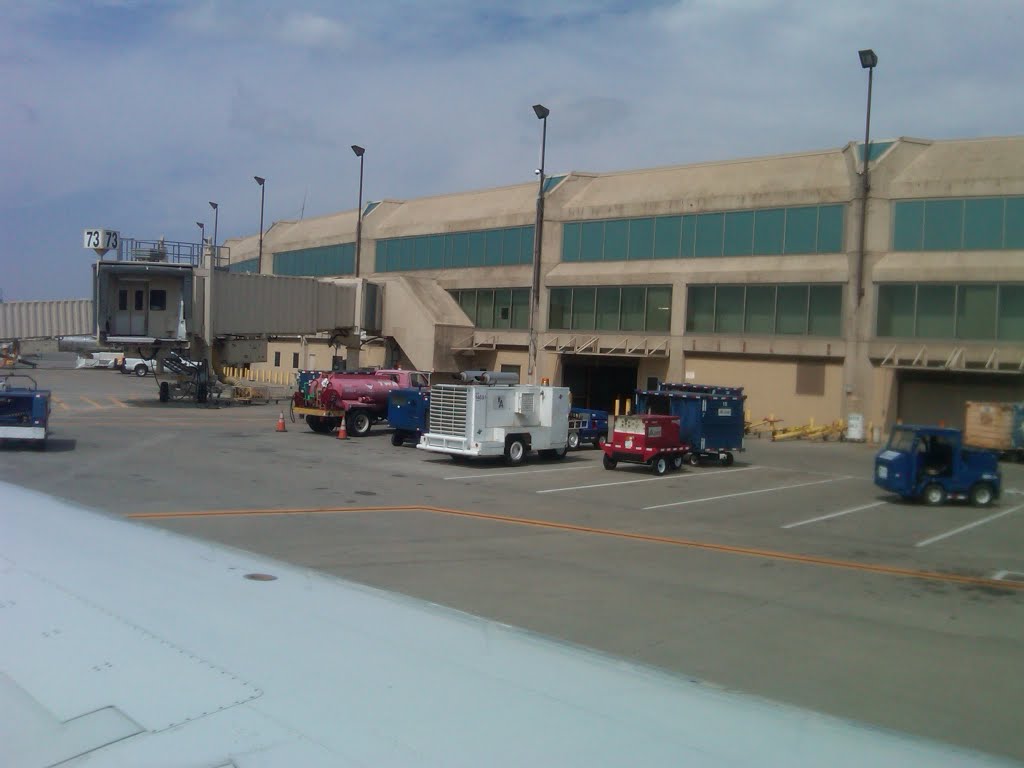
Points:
(137, 365)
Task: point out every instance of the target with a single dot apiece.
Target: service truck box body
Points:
(996, 426)
(481, 420)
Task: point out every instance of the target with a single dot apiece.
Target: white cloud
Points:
(313, 30)
(195, 98)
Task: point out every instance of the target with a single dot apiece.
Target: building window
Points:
(634, 309)
(968, 311)
(324, 261)
(506, 246)
(499, 308)
(295, 359)
(786, 309)
(248, 266)
(766, 232)
(122, 300)
(158, 300)
(958, 224)
(277, 359)
(516, 369)
(810, 379)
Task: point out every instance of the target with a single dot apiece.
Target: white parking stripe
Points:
(521, 472)
(691, 475)
(968, 527)
(835, 514)
(604, 485)
(807, 471)
(744, 493)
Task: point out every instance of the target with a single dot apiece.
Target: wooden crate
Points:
(990, 425)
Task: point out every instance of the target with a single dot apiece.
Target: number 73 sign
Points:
(100, 240)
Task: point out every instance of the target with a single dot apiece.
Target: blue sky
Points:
(132, 114)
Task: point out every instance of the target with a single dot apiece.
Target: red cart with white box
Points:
(646, 439)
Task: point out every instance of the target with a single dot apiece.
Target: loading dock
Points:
(599, 382)
(939, 397)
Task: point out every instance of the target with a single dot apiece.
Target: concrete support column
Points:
(352, 358)
(676, 360)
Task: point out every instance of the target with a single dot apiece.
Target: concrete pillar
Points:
(352, 358)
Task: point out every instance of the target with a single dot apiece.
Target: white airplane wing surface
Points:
(124, 645)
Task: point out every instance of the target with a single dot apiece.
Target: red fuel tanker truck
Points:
(358, 397)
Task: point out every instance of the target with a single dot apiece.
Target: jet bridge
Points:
(161, 295)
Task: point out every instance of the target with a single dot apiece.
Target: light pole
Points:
(359, 152)
(542, 113)
(202, 240)
(259, 260)
(868, 60)
(216, 218)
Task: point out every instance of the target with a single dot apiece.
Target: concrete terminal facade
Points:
(743, 273)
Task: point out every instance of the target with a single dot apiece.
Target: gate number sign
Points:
(101, 240)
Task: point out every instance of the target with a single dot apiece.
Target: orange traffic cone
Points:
(342, 432)
(280, 423)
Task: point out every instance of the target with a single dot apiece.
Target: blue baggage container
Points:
(711, 418)
(587, 425)
(408, 410)
(24, 410)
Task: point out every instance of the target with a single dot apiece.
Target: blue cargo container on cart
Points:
(587, 425)
(408, 410)
(24, 410)
(711, 418)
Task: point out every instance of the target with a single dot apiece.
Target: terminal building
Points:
(767, 273)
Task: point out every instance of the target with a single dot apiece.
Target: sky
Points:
(133, 114)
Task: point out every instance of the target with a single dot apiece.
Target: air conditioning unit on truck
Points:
(507, 420)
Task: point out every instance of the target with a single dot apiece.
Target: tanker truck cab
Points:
(932, 464)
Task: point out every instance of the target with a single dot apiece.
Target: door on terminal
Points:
(941, 397)
(597, 384)
(130, 315)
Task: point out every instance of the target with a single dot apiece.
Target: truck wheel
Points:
(601, 440)
(982, 494)
(359, 423)
(677, 461)
(515, 451)
(933, 495)
(609, 462)
(141, 370)
(725, 459)
(165, 391)
(574, 440)
(693, 459)
(660, 465)
(319, 424)
(397, 437)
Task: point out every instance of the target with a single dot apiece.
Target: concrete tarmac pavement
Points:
(698, 572)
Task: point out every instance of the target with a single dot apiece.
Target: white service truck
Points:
(478, 420)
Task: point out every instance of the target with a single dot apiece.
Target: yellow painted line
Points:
(59, 402)
(116, 401)
(767, 554)
(91, 402)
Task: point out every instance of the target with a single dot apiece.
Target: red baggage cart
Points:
(646, 439)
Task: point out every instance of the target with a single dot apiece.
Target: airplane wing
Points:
(126, 645)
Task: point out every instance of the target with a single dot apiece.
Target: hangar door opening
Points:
(933, 397)
(597, 382)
